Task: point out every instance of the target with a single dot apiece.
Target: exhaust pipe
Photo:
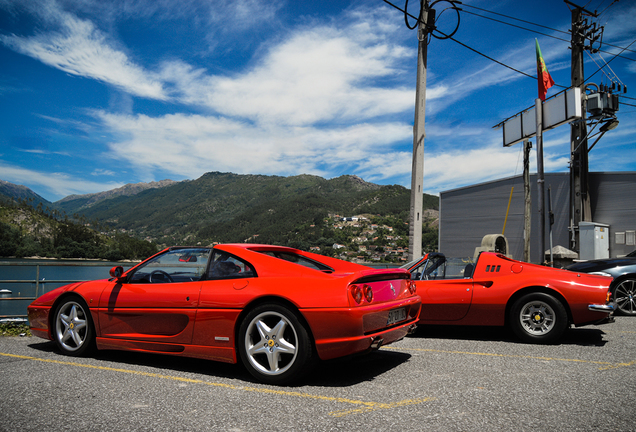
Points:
(376, 343)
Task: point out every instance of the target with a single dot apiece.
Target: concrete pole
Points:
(417, 171)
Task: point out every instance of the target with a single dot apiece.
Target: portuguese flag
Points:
(543, 76)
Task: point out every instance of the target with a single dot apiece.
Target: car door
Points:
(446, 295)
(158, 303)
(228, 286)
(445, 300)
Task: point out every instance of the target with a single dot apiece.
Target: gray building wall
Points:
(467, 214)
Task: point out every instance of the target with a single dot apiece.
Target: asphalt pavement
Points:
(439, 379)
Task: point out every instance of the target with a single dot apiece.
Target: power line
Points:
(464, 45)
(513, 18)
(519, 27)
(496, 61)
(609, 61)
(406, 14)
(605, 10)
(535, 31)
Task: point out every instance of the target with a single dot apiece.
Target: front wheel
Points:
(625, 297)
(73, 329)
(538, 318)
(274, 345)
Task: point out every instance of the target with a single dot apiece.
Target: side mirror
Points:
(116, 272)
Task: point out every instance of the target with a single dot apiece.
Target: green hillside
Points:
(27, 231)
(226, 207)
(299, 211)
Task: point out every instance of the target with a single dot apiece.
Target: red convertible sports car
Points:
(539, 303)
(278, 309)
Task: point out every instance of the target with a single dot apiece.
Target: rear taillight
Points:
(359, 292)
(356, 293)
(368, 293)
(412, 287)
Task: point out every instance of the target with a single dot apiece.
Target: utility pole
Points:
(527, 145)
(580, 206)
(417, 171)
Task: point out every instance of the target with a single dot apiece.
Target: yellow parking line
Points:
(617, 365)
(365, 406)
(373, 406)
(607, 365)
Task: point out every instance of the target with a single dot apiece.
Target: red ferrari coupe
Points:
(278, 309)
(539, 303)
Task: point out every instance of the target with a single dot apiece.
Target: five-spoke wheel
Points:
(538, 318)
(274, 345)
(625, 296)
(73, 328)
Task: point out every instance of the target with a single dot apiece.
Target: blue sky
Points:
(95, 94)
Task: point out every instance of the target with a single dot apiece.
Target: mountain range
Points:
(227, 207)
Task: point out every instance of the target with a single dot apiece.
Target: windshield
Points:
(411, 264)
(175, 265)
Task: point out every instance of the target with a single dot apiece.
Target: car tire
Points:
(73, 329)
(274, 345)
(624, 295)
(538, 318)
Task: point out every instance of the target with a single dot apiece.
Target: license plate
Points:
(396, 315)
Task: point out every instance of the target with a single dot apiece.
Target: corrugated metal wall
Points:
(468, 214)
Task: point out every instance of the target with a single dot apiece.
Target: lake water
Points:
(17, 279)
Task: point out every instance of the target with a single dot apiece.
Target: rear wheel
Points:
(73, 329)
(538, 318)
(274, 345)
(625, 296)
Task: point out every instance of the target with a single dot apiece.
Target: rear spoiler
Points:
(365, 276)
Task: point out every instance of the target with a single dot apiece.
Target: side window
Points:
(226, 266)
(435, 268)
(440, 267)
(177, 265)
(299, 259)
(459, 268)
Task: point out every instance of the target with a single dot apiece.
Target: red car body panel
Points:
(201, 318)
(496, 281)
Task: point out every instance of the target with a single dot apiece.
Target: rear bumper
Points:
(340, 332)
(605, 308)
(334, 348)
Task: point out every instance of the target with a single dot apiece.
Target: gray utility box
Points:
(594, 239)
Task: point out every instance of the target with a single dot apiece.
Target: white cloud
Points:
(54, 184)
(318, 96)
(190, 145)
(318, 74)
(241, 14)
(79, 48)
(103, 172)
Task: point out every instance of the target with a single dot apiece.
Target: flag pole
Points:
(540, 180)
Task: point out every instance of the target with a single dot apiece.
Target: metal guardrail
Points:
(6, 295)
